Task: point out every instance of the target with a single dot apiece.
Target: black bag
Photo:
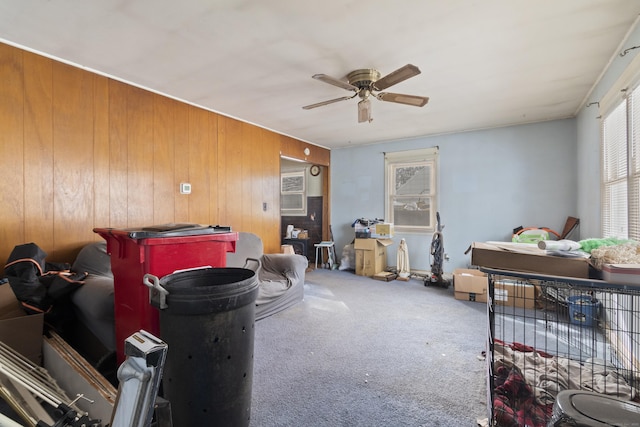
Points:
(36, 283)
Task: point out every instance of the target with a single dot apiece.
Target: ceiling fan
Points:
(365, 82)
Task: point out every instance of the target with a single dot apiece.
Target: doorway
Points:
(303, 205)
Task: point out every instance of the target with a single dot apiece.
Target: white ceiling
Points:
(484, 63)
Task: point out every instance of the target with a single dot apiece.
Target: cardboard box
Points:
(470, 285)
(24, 334)
(514, 293)
(510, 256)
(470, 296)
(18, 330)
(628, 274)
(371, 256)
(287, 249)
(385, 276)
(469, 280)
(382, 230)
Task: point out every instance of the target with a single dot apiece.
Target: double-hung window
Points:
(620, 154)
(410, 202)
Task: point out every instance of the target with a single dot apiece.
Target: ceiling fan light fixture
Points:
(364, 111)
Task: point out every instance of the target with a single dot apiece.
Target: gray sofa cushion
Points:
(94, 259)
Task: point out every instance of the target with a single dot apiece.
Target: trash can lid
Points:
(165, 230)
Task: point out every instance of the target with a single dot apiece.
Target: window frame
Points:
(411, 158)
(302, 193)
(620, 188)
(615, 173)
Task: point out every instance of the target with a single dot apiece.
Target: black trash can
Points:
(207, 318)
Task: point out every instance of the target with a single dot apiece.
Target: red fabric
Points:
(514, 404)
(516, 346)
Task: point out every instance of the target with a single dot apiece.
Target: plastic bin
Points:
(583, 310)
(207, 318)
(159, 250)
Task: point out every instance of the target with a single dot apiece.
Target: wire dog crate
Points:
(548, 334)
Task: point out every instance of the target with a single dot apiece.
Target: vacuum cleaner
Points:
(437, 257)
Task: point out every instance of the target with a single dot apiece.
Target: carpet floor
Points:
(362, 352)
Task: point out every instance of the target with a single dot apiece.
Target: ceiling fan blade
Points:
(334, 81)
(331, 101)
(417, 101)
(397, 76)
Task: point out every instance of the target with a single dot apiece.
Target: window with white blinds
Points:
(634, 187)
(621, 168)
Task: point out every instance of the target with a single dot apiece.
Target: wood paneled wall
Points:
(81, 150)
(296, 149)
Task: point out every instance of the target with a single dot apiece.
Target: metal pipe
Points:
(29, 386)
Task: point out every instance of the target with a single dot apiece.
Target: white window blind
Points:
(621, 159)
(614, 173)
(621, 196)
(620, 167)
(410, 202)
(633, 111)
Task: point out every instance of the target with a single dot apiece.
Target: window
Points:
(620, 189)
(614, 174)
(293, 196)
(620, 179)
(410, 202)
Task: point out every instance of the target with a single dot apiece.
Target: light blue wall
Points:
(490, 182)
(588, 143)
